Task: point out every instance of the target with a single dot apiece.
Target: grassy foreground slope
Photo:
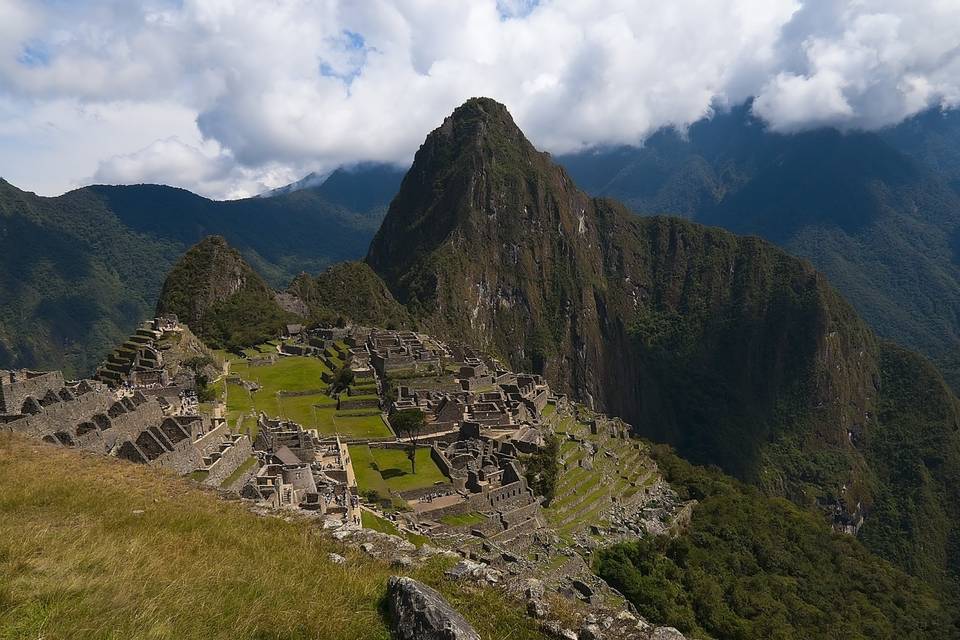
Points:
(93, 547)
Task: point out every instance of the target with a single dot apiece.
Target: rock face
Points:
(418, 612)
(697, 337)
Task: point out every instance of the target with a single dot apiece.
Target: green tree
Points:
(409, 423)
(343, 379)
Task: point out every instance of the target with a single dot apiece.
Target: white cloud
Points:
(864, 64)
(229, 96)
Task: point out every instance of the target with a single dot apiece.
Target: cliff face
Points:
(224, 301)
(723, 346)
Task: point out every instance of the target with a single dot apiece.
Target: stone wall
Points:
(182, 460)
(211, 441)
(518, 515)
(248, 476)
(440, 460)
(234, 456)
(414, 494)
(127, 425)
(63, 416)
(13, 394)
(499, 497)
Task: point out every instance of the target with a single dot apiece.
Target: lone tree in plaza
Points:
(409, 424)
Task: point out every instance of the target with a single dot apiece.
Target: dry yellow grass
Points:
(92, 547)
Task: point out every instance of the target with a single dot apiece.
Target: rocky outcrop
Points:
(418, 612)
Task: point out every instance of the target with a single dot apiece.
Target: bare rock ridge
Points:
(698, 337)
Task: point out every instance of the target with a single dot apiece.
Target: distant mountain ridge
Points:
(80, 271)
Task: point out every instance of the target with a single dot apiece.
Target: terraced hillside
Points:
(601, 475)
(295, 388)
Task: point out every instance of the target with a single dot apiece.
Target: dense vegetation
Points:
(80, 271)
(878, 213)
(349, 291)
(750, 567)
(706, 340)
(221, 298)
(93, 547)
(914, 452)
(543, 468)
(726, 347)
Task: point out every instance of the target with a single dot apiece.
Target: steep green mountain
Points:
(693, 334)
(351, 291)
(914, 454)
(79, 271)
(225, 302)
(73, 280)
(932, 138)
(755, 568)
(878, 213)
(727, 347)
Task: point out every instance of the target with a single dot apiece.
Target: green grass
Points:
(239, 403)
(375, 522)
(365, 469)
(463, 520)
(347, 423)
(93, 547)
(294, 373)
(239, 471)
(304, 410)
(312, 411)
(395, 469)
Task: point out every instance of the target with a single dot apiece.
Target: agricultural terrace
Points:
(292, 388)
(387, 471)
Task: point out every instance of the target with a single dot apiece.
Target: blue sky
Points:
(232, 97)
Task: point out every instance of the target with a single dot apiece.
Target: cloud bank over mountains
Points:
(231, 97)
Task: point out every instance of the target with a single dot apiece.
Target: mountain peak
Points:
(478, 120)
(476, 181)
(221, 297)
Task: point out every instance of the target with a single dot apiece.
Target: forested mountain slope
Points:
(79, 271)
(878, 213)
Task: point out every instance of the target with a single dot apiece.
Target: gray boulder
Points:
(417, 612)
(590, 632)
(666, 633)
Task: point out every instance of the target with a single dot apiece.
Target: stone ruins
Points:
(483, 424)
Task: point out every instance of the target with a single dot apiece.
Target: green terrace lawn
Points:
(464, 519)
(311, 407)
(386, 470)
(289, 373)
(93, 547)
(365, 469)
(394, 467)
